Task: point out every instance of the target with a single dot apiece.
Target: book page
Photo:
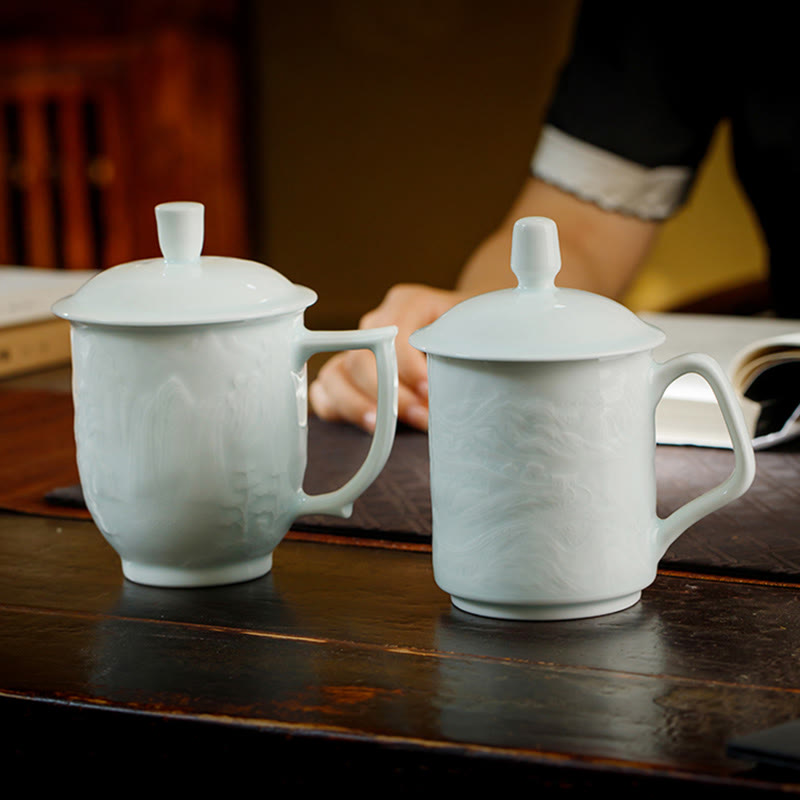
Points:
(724, 338)
(752, 360)
(746, 348)
(27, 293)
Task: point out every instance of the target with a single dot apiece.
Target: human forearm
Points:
(601, 251)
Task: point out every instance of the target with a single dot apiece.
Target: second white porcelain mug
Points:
(542, 446)
(189, 382)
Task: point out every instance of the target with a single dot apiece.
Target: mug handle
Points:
(739, 480)
(381, 342)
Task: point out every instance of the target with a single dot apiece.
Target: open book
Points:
(760, 355)
(31, 337)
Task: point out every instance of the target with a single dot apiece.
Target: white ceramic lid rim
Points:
(502, 356)
(520, 358)
(74, 309)
(447, 338)
(183, 288)
(141, 322)
(536, 321)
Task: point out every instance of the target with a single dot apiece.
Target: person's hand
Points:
(346, 387)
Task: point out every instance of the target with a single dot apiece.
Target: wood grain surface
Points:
(356, 646)
(348, 666)
(756, 536)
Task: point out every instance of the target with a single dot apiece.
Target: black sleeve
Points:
(644, 81)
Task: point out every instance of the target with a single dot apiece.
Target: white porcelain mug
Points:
(543, 482)
(190, 391)
(542, 446)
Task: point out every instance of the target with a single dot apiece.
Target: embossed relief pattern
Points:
(539, 480)
(757, 535)
(206, 442)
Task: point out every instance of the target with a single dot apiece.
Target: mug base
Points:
(543, 612)
(177, 577)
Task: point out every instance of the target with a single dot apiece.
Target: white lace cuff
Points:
(608, 180)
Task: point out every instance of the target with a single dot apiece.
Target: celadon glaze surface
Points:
(542, 480)
(189, 384)
(191, 443)
(542, 445)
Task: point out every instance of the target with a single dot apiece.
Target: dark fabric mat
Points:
(757, 535)
(398, 504)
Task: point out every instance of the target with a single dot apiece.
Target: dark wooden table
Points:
(347, 668)
(348, 664)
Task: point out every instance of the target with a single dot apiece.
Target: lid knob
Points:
(180, 231)
(535, 254)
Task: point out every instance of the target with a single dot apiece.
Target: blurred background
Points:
(349, 144)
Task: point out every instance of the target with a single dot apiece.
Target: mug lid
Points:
(536, 321)
(183, 287)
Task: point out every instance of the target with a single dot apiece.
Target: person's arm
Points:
(346, 389)
(600, 252)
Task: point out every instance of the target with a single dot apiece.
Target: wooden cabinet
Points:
(102, 121)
